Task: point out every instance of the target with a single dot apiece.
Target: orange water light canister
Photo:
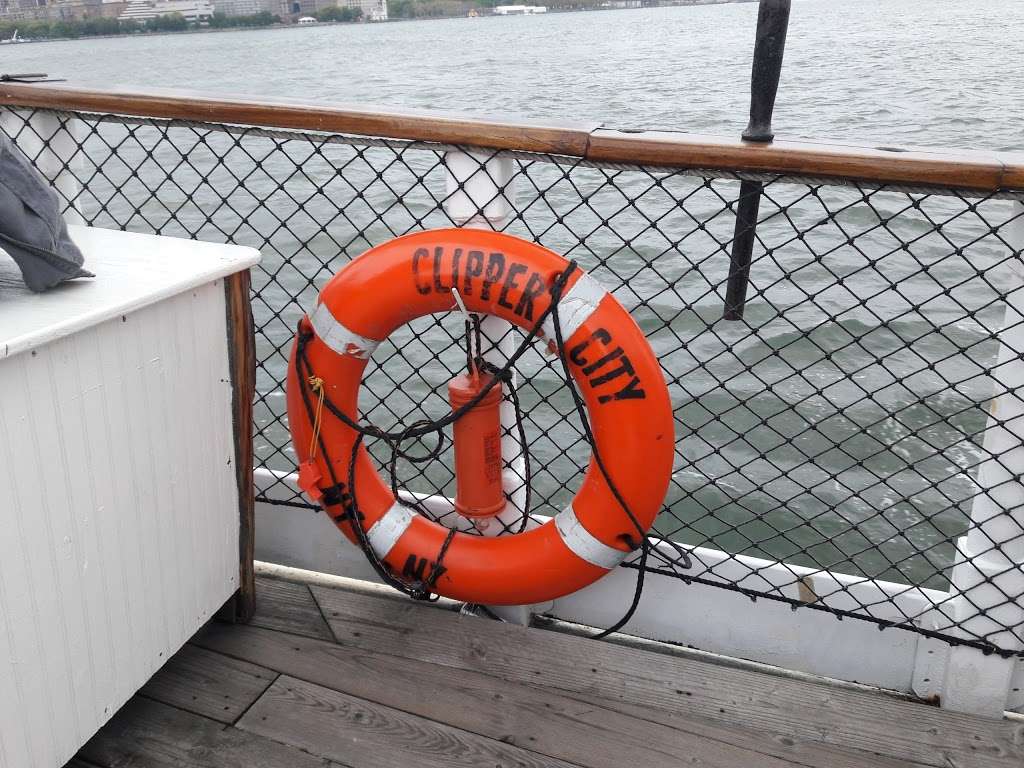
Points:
(477, 438)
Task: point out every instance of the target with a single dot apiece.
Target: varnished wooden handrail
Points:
(983, 171)
(497, 132)
(969, 170)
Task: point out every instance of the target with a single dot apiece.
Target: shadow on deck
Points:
(333, 677)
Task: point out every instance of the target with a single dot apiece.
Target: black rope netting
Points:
(832, 446)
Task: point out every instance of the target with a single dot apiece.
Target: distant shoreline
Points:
(212, 30)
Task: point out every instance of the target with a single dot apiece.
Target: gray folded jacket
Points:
(32, 230)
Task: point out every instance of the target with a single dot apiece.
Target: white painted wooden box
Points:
(119, 507)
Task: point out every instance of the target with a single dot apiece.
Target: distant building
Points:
(373, 10)
(59, 10)
(519, 10)
(111, 9)
(245, 7)
(23, 10)
(73, 9)
(143, 10)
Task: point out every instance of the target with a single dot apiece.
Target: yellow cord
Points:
(317, 384)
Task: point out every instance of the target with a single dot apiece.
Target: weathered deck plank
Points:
(407, 684)
(288, 606)
(208, 684)
(737, 698)
(356, 732)
(148, 734)
(587, 732)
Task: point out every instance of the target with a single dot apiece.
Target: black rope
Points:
(418, 590)
(397, 453)
(423, 590)
(643, 539)
(385, 575)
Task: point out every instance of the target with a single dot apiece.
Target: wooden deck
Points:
(332, 677)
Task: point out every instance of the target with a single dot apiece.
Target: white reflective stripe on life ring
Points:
(582, 542)
(338, 337)
(575, 307)
(385, 533)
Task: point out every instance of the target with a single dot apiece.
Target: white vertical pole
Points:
(50, 142)
(480, 194)
(988, 577)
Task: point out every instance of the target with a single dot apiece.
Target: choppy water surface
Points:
(940, 73)
(852, 481)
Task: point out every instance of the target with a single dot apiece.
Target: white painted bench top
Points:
(132, 271)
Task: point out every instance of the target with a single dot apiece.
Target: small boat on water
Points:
(14, 38)
(402, 438)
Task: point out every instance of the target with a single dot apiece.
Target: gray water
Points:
(915, 72)
(904, 72)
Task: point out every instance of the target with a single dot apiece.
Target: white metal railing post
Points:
(988, 577)
(480, 193)
(50, 141)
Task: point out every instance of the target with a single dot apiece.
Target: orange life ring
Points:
(615, 371)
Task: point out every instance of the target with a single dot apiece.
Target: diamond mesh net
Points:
(832, 447)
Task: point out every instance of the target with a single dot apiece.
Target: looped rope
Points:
(423, 590)
(395, 438)
(397, 453)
